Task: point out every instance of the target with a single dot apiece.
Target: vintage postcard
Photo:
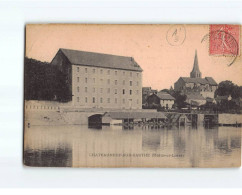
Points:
(132, 95)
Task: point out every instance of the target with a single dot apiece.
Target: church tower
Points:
(195, 71)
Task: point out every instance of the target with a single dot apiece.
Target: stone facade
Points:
(101, 80)
(195, 84)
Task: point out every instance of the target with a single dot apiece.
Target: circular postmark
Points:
(176, 35)
(222, 43)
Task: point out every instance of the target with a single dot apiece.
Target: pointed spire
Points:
(195, 71)
(195, 64)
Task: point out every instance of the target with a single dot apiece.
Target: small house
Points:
(195, 99)
(161, 99)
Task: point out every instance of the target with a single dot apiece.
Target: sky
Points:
(162, 58)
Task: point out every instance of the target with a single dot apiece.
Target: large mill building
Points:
(99, 80)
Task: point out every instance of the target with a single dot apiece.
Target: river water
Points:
(113, 146)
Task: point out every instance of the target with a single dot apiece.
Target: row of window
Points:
(101, 100)
(108, 90)
(108, 81)
(108, 71)
(42, 107)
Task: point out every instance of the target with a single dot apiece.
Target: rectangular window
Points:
(116, 72)
(78, 89)
(116, 100)
(123, 73)
(123, 82)
(93, 70)
(78, 99)
(101, 71)
(130, 74)
(86, 99)
(123, 91)
(115, 91)
(93, 100)
(85, 89)
(93, 90)
(137, 74)
(108, 90)
(101, 100)
(130, 92)
(85, 70)
(77, 69)
(78, 79)
(108, 72)
(85, 80)
(108, 100)
(116, 82)
(130, 83)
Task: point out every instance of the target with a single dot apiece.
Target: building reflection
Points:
(65, 146)
(228, 139)
(179, 141)
(61, 156)
(151, 139)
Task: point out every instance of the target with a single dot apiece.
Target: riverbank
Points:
(55, 113)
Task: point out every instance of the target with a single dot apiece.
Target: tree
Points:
(227, 88)
(44, 82)
(179, 99)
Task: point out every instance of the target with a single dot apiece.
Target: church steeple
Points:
(195, 71)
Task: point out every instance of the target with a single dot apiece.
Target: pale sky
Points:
(161, 62)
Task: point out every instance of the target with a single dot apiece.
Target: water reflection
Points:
(151, 139)
(51, 157)
(176, 147)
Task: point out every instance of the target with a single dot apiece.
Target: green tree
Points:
(179, 99)
(226, 88)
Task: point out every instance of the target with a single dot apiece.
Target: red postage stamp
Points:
(224, 39)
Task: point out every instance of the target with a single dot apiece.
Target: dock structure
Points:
(179, 119)
(184, 119)
(110, 118)
(54, 113)
(162, 119)
(230, 120)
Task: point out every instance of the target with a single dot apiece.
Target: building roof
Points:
(194, 103)
(194, 80)
(203, 81)
(134, 115)
(146, 88)
(225, 97)
(165, 96)
(100, 60)
(193, 96)
(208, 99)
(211, 81)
